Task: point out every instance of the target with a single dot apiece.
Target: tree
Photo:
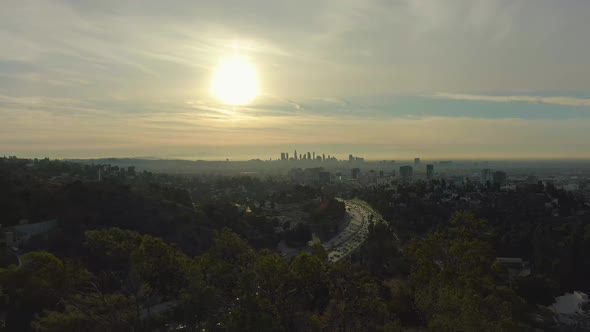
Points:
(298, 236)
(453, 280)
(199, 303)
(250, 285)
(381, 249)
(319, 251)
(89, 310)
(162, 266)
(41, 282)
(537, 289)
(113, 245)
(356, 302)
(311, 281)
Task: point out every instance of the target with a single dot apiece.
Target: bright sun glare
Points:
(235, 81)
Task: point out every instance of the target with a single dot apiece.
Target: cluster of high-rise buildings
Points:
(311, 156)
(407, 172)
(352, 158)
(498, 177)
(314, 175)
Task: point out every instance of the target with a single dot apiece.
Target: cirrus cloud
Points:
(554, 100)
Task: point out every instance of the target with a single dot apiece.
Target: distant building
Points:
(324, 177)
(486, 175)
(429, 171)
(405, 172)
(19, 234)
(313, 155)
(286, 155)
(514, 267)
(295, 154)
(282, 156)
(372, 177)
(308, 156)
(416, 161)
(312, 175)
(499, 177)
(350, 158)
(531, 179)
(323, 157)
(296, 175)
(355, 172)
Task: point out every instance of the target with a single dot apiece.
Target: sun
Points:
(235, 81)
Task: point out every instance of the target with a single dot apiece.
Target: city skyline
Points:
(274, 154)
(440, 79)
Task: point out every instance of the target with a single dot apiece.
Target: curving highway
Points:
(355, 234)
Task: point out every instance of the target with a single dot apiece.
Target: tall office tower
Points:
(350, 158)
(486, 175)
(287, 155)
(499, 177)
(405, 172)
(300, 156)
(324, 177)
(308, 156)
(532, 179)
(313, 155)
(282, 156)
(416, 161)
(295, 155)
(429, 171)
(323, 157)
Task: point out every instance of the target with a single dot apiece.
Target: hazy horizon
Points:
(462, 79)
(276, 156)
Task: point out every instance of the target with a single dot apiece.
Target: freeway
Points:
(376, 215)
(354, 235)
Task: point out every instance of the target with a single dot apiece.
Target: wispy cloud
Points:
(111, 74)
(555, 100)
(296, 105)
(332, 100)
(52, 105)
(272, 101)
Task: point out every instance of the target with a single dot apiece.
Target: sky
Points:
(466, 79)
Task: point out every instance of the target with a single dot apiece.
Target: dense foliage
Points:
(140, 251)
(546, 226)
